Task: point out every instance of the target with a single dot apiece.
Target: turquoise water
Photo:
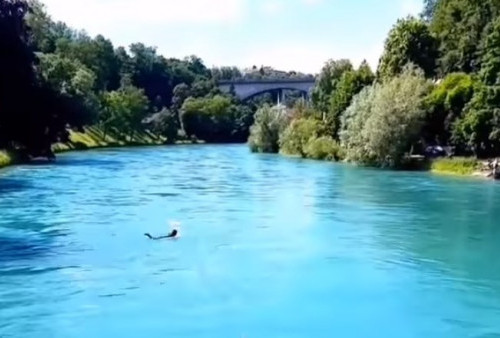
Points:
(269, 247)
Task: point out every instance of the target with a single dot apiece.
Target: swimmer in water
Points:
(172, 234)
(175, 226)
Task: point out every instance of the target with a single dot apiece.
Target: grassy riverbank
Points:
(461, 166)
(93, 138)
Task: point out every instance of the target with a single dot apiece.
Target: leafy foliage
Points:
(384, 121)
(297, 135)
(125, 109)
(213, 119)
(445, 105)
(164, 123)
(490, 67)
(323, 148)
(460, 26)
(270, 122)
(350, 84)
(409, 41)
(479, 129)
(31, 115)
(327, 82)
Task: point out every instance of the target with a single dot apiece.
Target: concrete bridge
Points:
(246, 89)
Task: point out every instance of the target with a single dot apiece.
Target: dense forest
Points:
(54, 78)
(436, 92)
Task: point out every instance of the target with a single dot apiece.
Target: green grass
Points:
(456, 166)
(93, 137)
(5, 159)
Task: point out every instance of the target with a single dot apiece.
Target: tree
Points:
(125, 109)
(350, 84)
(385, 120)
(75, 83)
(460, 26)
(165, 123)
(265, 132)
(478, 131)
(490, 65)
(96, 54)
(31, 115)
(213, 119)
(445, 105)
(180, 94)
(297, 135)
(327, 82)
(150, 72)
(429, 10)
(225, 73)
(409, 41)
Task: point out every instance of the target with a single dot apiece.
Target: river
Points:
(269, 247)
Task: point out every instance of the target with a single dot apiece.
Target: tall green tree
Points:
(350, 84)
(460, 26)
(445, 105)
(327, 82)
(125, 109)
(409, 41)
(478, 131)
(490, 67)
(32, 116)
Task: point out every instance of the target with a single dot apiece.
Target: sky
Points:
(288, 35)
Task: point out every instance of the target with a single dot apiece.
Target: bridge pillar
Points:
(281, 97)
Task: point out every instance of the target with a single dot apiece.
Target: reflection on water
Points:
(270, 247)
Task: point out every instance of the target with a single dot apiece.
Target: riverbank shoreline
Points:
(462, 166)
(94, 138)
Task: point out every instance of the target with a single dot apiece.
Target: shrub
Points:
(323, 148)
(384, 121)
(296, 136)
(265, 132)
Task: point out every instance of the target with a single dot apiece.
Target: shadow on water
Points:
(12, 185)
(23, 248)
(78, 162)
(28, 241)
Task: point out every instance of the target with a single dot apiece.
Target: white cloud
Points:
(95, 15)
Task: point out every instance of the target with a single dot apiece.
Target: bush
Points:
(296, 136)
(384, 121)
(215, 119)
(323, 148)
(265, 132)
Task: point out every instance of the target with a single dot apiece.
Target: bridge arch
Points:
(247, 89)
(281, 94)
